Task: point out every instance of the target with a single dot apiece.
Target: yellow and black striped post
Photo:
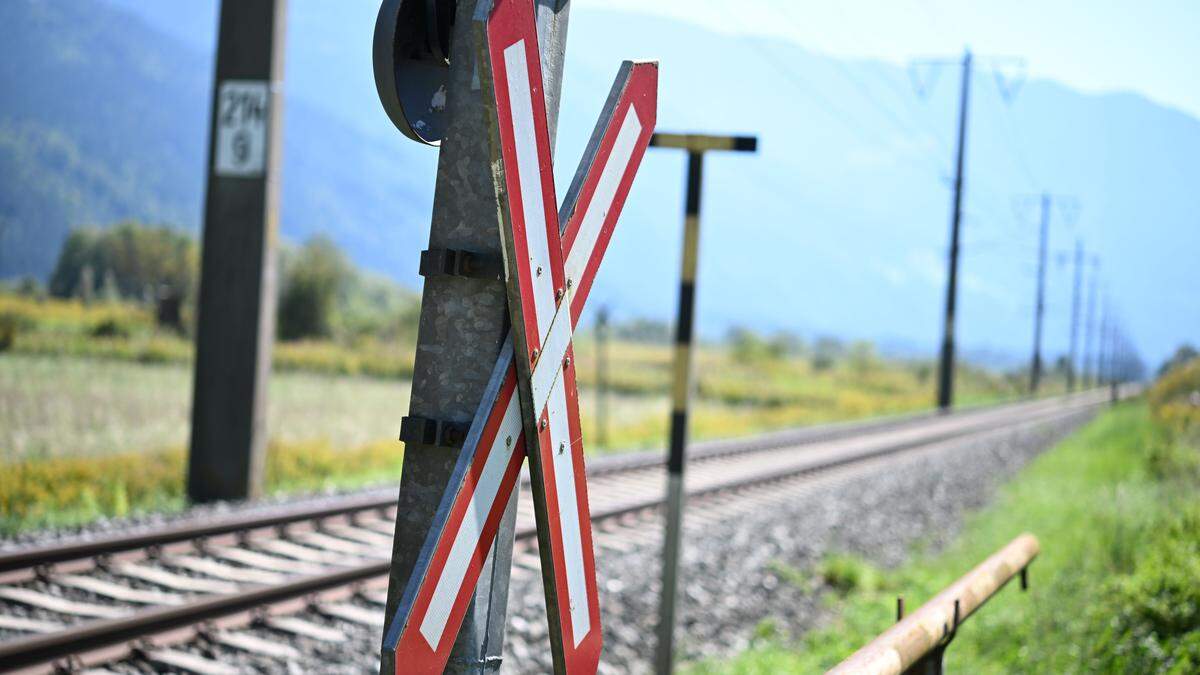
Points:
(695, 145)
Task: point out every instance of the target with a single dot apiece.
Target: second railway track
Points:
(79, 603)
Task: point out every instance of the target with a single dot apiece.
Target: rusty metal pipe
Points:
(928, 628)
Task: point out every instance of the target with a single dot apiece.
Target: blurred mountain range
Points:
(838, 225)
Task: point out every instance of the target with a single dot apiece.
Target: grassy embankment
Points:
(1116, 588)
(126, 332)
(94, 406)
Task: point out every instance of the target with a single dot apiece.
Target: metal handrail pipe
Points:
(932, 626)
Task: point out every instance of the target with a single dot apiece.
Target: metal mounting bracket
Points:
(458, 263)
(426, 431)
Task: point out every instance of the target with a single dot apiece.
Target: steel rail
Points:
(49, 554)
(818, 465)
(52, 553)
(54, 648)
(817, 433)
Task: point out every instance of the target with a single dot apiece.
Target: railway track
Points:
(78, 604)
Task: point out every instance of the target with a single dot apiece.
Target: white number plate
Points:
(241, 128)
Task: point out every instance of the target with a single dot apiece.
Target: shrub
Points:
(826, 352)
(1183, 355)
(70, 317)
(312, 281)
(862, 358)
(78, 489)
(130, 257)
(748, 347)
(1172, 460)
(8, 332)
(1175, 398)
(109, 327)
(1151, 618)
(847, 573)
(368, 357)
(65, 491)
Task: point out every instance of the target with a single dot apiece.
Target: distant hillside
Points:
(92, 128)
(838, 225)
(105, 118)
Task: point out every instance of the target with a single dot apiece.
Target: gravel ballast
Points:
(731, 580)
(738, 556)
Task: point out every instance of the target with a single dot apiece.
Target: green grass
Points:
(122, 331)
(68, 491)
(69, 407)
(87, 389)
(1115, 589)
(70, 403)
(736, 396)
(856, 384)
(93, 437)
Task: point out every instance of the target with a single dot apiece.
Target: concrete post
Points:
(236, 313)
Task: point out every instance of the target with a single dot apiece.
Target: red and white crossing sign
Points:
(551, 259)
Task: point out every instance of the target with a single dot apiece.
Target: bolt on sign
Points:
(530, 406)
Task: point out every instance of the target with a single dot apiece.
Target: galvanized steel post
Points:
(946, 369)
(602, 377)
(462, 328)
(1073, 368)
(1089, 324)
(1039, 306)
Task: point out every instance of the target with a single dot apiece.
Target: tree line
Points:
(322, 295)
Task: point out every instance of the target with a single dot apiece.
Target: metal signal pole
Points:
(235, 325)
(602, 377)
(1110, 355)
(464, 316)
(1072, 369)
(1102, 356)
(1035, 366)
(1089, 326)
(1117, 357)
(946, 371)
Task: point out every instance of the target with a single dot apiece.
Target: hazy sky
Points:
(1147, 46)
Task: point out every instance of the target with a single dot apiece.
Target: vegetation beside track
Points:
(82, 438)
(126, 332)
(1117, 510)
(69, 491)
(95, 399)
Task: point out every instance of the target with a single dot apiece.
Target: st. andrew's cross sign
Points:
(530, 406)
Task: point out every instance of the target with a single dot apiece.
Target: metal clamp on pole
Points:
(425, 431)
(458, 263)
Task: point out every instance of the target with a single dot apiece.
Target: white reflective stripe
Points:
(467, 537)
(533, 208)
(568, 511)
(554, 350)
(602, 198)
